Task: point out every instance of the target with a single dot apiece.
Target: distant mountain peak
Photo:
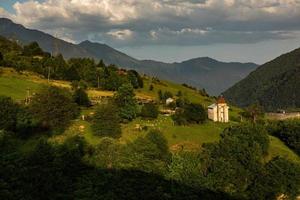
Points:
(2, 19)
(200, 72)
(85, 42)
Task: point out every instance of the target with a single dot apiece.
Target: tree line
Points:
(95, 74)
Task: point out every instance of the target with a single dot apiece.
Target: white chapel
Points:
(218, 112)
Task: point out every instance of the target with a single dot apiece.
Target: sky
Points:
(169, 30)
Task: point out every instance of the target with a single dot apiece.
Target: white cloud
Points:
(151, 21)
(120, 34)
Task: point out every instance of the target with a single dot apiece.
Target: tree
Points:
(189, 113)
(179, 93)
(126, 102)
(72, 74)
(149, 110)
(288, 132)
(81, 98)
(26, 125)
(101, 64)
(1, 59)
(253, 112)
(279, 177)
(151, 87)
(133, 79)
(32, 49)
(149, 153)
(106, 121)
(167, 95)
(160, 95)
(54, 108)
(232, 164)
(107, 153)
(8, 114)
(195, 113)
(157, 138)
(179, 117)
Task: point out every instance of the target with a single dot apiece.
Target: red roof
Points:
(221, 99)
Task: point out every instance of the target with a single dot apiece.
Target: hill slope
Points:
(16, 85)
(206, 73)
(275, 85)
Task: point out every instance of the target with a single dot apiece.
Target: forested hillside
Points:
(274, 85)
(199, 72)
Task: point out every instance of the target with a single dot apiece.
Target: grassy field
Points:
(179, 137)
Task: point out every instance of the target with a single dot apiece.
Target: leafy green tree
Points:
(8, 113)
(179, 93)
(125, 100)
(106, 121)
(253, 112)
(195, 113)
(160, 95)
(149, 110)
(1, 59)
(179, 117)
(231, 165)
(167, 95)
(149, 153)
(32, 49)
(54, 108)
(26, 125)
(288, 132)
(71, 74)
(81, 98)
(182, 102)
(189, 113)
(279, 177)
(101, 64)
(135, 79)
(151, 87)
(107, 153)
(157, 138)
(186, 167)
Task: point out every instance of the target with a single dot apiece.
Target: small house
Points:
(169, 101)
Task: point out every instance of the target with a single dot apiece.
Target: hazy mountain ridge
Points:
(274, 85)
(213, 75)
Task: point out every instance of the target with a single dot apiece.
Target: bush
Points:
(149, 111)
(106, 121)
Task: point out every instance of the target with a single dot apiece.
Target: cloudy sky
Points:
(169, 30)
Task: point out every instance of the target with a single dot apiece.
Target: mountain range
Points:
(274, 85)
(203, 72)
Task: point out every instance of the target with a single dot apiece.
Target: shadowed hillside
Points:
(274, 85)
